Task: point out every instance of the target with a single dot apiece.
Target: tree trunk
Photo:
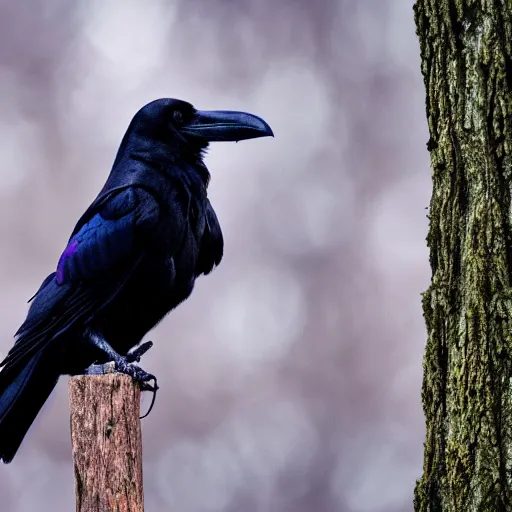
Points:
(467, 391)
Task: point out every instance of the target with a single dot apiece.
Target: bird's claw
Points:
(144, 386)
(136, 353)
(139, 375)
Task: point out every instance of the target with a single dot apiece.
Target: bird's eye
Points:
(178, 117)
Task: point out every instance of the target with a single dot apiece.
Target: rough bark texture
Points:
(106, 439)
(467, 395)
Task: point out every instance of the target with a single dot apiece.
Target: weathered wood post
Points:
(106, 442)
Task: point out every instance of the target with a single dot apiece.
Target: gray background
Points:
(291, 378)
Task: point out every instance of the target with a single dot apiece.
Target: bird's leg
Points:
(125, 364)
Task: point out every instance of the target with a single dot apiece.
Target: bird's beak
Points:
(226, 125)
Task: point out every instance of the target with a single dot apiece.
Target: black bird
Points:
(133, 256)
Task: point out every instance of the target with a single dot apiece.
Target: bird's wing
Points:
(102, 253)
(114, 232)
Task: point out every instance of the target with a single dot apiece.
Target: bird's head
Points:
(170, 119)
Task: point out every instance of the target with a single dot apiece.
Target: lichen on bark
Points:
(466, 53)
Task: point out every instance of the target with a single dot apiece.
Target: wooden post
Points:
(106, 443)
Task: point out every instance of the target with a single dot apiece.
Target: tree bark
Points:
(106, 440)
(467, 394)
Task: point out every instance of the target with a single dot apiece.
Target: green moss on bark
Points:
(466, 52)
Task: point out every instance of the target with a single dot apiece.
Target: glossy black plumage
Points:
(133, 256)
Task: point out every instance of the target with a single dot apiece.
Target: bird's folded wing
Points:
(113, 234)
(109, 240)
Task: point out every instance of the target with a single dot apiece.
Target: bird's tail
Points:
(24, 388)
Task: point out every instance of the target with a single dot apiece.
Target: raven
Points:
(132, 257)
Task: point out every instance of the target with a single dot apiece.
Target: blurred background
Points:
(290, 380)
